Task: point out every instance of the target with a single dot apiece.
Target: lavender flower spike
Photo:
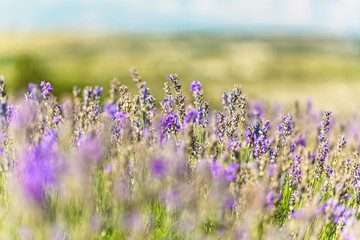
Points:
(195, 86)
(46, 88)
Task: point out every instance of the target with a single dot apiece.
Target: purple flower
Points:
(220, 125)
(298, 141)
(110, 108)
(323, 151)
(349, 237)
(323, 148)
(302, 140)
(333, 209)
(107, 168)
(158, 167)
(98, 90)
(168, 103)
(229, 203)
(329, 169)
(89, 149)
(295, 171)
(191, 116)
(256, 137)
(31, 87)
(57, 119)
(292, 146)
(172, 77)
(228, 173)
(195, 86)
(10, 113)
(271, 169)
(39, 166)
(46, 88)
(202, 116)
(234, 144)
(258, 109)
(270, 198)
(35, 177)
(216, 168)
(170, 124)
(287, 125)
(120, 116)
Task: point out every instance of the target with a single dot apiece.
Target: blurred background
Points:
(278, 50)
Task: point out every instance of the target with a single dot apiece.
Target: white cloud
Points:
(343, 15)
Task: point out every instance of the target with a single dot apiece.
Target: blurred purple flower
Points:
(39, 167)
(302, 140)
(258, 111)
(98, 90)
(271, 169)
(171, 197)
(195, 86)
(46, 88)
(227, 173)
(229, 203)
(31, 87)
(89, 148)
(120, 116)
(107, 168)
(270, 198)
(216, 168)
(230, 171)
(191, 116)
(110, 108)
(158, 167)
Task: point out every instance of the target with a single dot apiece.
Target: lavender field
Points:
(130, 166)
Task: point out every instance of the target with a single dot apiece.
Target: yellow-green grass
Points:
(279, 69)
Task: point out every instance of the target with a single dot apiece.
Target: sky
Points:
(329, 16)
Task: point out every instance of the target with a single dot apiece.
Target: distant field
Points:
(279, 69)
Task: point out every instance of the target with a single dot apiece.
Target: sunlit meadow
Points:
(130, 166)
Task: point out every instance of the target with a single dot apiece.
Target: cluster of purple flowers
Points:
(46, 88)
(256, 136)
(170, 124)
(225, 172)
(286, 125)
(118, 168)
(336, 211)
(323, 148)
(191, 116)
